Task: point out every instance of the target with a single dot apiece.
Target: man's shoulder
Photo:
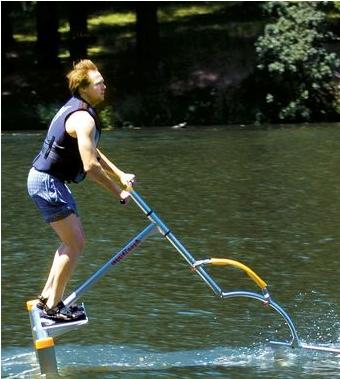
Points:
(80, 121)
(77, 103)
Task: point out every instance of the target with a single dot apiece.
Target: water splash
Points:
(106, 361)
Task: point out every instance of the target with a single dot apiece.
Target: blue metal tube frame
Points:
(295, 342)
(166, 232)
(122, 254)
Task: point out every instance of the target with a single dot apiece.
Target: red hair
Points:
(78, 76)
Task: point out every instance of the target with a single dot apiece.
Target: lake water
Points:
(268, 198)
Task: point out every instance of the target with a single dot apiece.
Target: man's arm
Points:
(125, 178)
(82, 126)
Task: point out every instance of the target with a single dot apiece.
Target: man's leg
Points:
(72, 236)
(48, 285)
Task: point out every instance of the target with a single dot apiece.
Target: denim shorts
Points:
(51, 195)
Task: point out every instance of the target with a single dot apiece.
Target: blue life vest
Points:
(60, 155)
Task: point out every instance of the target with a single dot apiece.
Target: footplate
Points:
(55, 329)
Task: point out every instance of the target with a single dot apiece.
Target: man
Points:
(69, 153)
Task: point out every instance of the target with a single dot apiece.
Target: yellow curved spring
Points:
(224, 262)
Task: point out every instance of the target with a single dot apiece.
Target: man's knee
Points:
(71, 234)
(75, 244)
(78, 243)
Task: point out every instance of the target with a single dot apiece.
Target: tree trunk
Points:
(47, 33)
(7, 39)
(78, 13)
(147, 40)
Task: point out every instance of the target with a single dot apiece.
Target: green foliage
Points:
(298, 69)
(46, 112)
(108, 117)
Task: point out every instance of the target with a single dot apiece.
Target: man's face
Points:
(95, 91)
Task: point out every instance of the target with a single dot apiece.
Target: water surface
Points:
(268, 198)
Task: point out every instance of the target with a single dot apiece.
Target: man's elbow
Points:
(92, 168)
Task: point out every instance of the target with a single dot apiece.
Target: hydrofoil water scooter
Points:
(44, 331)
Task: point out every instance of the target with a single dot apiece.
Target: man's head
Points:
(86, 81)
